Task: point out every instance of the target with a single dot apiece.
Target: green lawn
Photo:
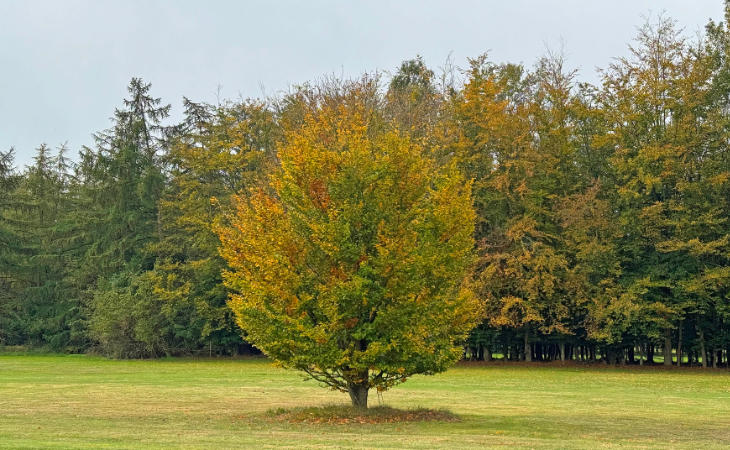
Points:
(88, 402)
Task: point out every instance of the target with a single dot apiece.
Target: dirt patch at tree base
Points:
(340, 414)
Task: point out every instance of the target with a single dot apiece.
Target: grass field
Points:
(88, 402)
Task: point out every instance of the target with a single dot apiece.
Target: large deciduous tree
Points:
(352, 265)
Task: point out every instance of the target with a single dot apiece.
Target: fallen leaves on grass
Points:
(338, 414)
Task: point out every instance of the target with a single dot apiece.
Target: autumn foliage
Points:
(353, 263)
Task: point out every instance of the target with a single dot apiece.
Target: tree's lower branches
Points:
(386, 380)
(334, 381)
(339, 381)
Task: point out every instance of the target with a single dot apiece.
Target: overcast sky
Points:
(64, 65)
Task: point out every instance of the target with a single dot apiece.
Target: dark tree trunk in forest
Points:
(631, 356)
(679, 346)
(703, 351)
(650, 352)
(667, 348)
(487, 354)
(528, 348)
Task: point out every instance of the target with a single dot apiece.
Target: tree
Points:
(220, 151)
(123, 186)
(670, 173)
(514, 138)
(352, 264)
(36, 260)
(10, 314)
(413, 101)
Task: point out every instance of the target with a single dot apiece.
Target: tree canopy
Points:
(352, 264)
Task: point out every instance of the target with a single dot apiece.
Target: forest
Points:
(602, 222)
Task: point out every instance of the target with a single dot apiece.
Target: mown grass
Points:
(89, 402)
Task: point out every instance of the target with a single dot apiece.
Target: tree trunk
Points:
(679, 346)
(667, 347)
(562, 351)
(703, 351)
(528, 348)
(359, 393)
(650, 352)
(487, 353)
(642, 354)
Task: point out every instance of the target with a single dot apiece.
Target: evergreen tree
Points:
(125, 181)
(10, 314)
(220, 151)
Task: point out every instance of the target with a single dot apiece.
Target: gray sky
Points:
(64, 65)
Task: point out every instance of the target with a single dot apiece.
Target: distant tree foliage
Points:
(599, 220)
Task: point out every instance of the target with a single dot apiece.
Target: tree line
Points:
(602, 211)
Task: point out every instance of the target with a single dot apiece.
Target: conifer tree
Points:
(125, 183)
(10, 313)
(219, 152)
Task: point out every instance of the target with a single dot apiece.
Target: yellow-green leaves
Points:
(356, 255)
